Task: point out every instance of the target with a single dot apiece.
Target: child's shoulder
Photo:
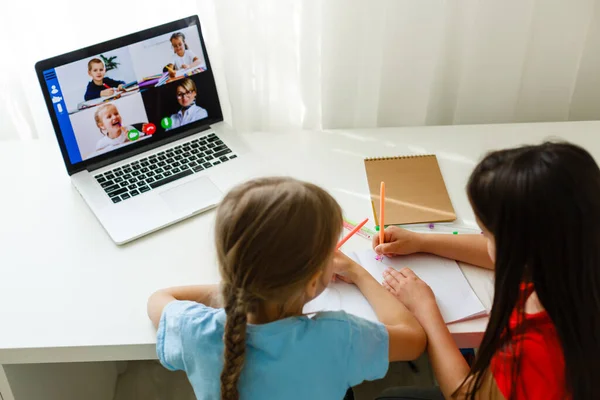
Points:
(338, 329)
(342, 319)
(196, 319)
(190, 309)
(331, 316)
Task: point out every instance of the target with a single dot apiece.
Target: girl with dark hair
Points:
(539, 209)
(183, 57)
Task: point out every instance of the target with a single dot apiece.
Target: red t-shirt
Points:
(542, 369)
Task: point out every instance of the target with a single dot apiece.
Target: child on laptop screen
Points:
(110, 123)
(189, 111)
(100, 85)
(184, 58)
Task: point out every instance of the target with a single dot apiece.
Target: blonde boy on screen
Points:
(100, 85)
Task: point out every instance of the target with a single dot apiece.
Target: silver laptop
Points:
(140, 128)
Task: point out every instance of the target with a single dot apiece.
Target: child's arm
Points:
(195, 62)
(471, 249)
(205, 294)
(112, 84)
(407, 339)
(91, 93)
(107, 92)
(449, 366)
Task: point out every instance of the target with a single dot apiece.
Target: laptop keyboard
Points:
(141, 176)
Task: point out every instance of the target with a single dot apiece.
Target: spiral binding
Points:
(398, 157)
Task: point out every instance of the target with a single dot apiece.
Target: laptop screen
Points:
(139, 90)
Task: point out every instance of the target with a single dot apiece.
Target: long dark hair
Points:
(542, 205)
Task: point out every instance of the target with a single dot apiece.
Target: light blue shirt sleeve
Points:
(193, 114)
(172, 329)
(368, 354)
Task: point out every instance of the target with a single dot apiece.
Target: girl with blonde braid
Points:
(276, 249)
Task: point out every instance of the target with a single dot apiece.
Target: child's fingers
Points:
(408, 273)
(387, 237)
(392, 276)
(375, 240)
(397, 275)
(388, 287)
(390, 280)
(389, 234)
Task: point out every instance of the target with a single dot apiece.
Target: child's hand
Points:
(344, 267)
(398, 241)
(120, 87)
(184, 66)
(107, 92)
(407, 287)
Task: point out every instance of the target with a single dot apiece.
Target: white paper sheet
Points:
(456, 299)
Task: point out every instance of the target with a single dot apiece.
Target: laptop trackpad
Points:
(192, 196)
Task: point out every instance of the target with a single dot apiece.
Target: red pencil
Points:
(106, 86)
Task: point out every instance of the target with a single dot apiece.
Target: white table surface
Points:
(68, 293)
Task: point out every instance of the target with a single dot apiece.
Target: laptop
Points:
(140, 128)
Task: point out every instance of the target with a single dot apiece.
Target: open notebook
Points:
(454, 296)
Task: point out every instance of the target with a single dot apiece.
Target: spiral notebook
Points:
(415, 189)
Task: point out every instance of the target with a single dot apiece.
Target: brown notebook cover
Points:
(414, 189)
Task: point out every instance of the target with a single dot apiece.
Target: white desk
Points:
(68, 293)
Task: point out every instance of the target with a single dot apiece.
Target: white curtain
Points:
(290, 64)
(355, 63)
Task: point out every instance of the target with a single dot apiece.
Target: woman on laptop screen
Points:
(189, 112)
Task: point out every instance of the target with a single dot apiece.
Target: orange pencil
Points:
(382, 212)
(352, 232)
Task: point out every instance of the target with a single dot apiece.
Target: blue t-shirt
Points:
(294, 358)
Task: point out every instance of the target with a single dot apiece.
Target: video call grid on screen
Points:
(126, 95)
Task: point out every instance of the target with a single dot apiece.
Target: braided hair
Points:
(272, 236)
